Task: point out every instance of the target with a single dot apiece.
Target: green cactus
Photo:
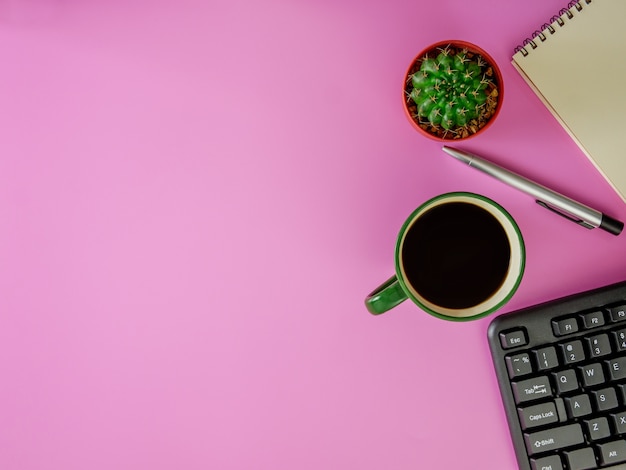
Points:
(451, 89)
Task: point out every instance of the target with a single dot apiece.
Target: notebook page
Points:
(580, 74)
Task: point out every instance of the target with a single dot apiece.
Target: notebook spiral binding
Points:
(558, 19)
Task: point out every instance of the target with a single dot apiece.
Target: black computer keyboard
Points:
(561, 367)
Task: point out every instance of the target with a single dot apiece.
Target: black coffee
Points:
(456, 255)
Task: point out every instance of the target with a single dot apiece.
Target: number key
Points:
(620, 339)
(546, 358)
(573, 351)
(599, 345)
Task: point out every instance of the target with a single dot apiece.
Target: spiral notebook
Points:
(576, 64)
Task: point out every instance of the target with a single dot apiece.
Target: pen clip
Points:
(564, 214)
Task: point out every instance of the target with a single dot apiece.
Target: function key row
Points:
(585, 321)
(567, 325)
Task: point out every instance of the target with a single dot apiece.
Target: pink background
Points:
(195, 198)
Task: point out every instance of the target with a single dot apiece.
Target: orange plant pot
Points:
(415, 64)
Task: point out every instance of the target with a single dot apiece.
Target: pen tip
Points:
(458, 154)
(450, 150)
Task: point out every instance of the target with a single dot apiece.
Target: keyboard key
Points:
(519, 365)
(546, 358)
(531, 389)
(565, 326)
(566, 381)
(620, 340)
(598, 428)
(552, 439)
(560, 408)
(538, 415)
(592, 374)
(513, 339)
(613, 452)
(619, 420)
(599, 345)
(606, 399)
(573, 351)
(553, 462)
(578, 406)
(617, 313)
(593, 319)
(581, 459)
(621, 391)
(617, 368)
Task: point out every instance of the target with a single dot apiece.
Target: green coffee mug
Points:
(459, 256)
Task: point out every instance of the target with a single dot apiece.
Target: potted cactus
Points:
(452, 90)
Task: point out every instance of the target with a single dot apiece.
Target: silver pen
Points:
(562, 205)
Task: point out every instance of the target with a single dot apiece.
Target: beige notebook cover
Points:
(577, 66)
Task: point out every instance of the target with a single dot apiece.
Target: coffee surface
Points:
(456, 255)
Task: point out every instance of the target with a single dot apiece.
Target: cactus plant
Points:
(452, 92)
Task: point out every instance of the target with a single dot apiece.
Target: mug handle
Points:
(385, 297)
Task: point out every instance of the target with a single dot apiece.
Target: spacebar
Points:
(554, 438)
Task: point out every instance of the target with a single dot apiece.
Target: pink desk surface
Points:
(196, 197)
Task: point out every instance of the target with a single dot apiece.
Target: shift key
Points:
(554, 438)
